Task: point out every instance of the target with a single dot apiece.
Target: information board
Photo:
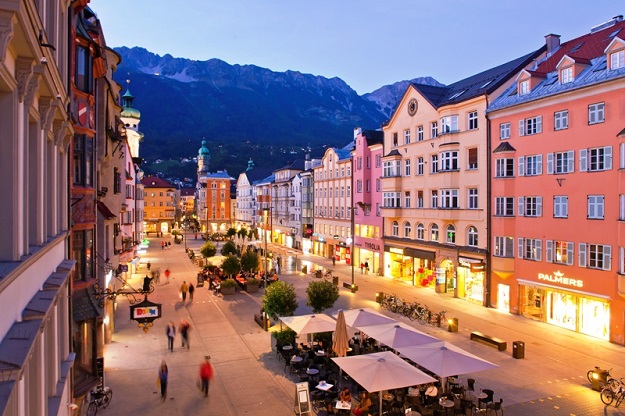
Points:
(302, 399)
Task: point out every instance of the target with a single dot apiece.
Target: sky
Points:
(366, 43)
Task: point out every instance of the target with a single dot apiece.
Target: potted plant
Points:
(284, 337)
(251, 285)
(228, 287)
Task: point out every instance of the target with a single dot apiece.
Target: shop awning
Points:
(105, 211)
(562, 289)
(84, 306)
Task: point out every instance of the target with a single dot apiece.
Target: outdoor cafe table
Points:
(447, 404)
(312, 371)
(287, 347)
(343, 407)
(320, 353)
(324, 386)
(296, 359)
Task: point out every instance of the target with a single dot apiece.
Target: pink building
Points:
(558, 190)
(367, 171)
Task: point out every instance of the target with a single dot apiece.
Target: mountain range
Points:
(244, 111)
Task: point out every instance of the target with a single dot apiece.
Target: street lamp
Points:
(267, 211)
(350, 241)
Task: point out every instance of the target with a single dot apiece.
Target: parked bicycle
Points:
(608, 395)
(101, 396)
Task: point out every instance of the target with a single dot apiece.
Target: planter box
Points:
(228, 290)
(251, 288)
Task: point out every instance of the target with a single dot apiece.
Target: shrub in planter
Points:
(284, 337)
(251, 285)
(228, 286)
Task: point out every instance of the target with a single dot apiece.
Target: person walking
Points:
(206, 374)
(171, 334)
(334, 260)
(362, 268)
(167, 273)
(157, 276)
(366, 267)
(183, 290)
(191, 290)
(149, 265)
(162, 245)
(163, 374)
(184, 333)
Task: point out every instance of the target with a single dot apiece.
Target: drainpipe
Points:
(489, 237)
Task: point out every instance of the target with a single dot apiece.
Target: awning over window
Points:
(84, 305)
(105, 211)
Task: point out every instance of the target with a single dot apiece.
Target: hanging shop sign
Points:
(145, 313)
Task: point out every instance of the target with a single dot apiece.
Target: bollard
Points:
(452, 325)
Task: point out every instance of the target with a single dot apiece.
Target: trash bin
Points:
(452, 325)
(335, 280)
(304, 269)
(599, 379)
(518, 349)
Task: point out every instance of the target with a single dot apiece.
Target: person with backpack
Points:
(184, 333)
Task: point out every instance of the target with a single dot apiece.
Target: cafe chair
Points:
(471, 384)
(488, 399)
(496, 406)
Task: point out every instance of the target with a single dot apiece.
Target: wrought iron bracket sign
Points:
(145, 313)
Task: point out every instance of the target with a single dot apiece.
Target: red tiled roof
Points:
(589, 46)
(155, 182)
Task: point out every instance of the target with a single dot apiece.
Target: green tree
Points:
(279, 299)
(242, 233)
(229, 248)
(321, 295)
(231, 265)
(250, 261)
(253, 234)
(208, 249)
(231, 232)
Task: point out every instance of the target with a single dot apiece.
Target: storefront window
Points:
(594, 318)
(561, 309)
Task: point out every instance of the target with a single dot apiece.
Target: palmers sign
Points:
(558, 277)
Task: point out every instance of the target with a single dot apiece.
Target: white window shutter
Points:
(582, 255)
(571, 161)
(569, 253)
(608, 157)
(521, 209)
(539, 206)
(539, 164)
(521, 166)
(549, 251)
(520, 248)
(591, 208)
(549, 163)
(539, 250)
(607, 257)
(621, 207)
(521, 127)
(539, 124)
(601, 208)
(566, 207)
(583, 155)
(557, 210)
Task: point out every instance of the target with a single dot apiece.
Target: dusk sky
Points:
(367, 43)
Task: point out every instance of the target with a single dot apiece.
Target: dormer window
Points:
(524, 87)
(566, 75)
(617, 60)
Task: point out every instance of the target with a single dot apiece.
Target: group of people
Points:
(205, 375)
(187, 288)
(184, 329)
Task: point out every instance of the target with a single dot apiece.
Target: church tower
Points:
(203, 160)
(131, 117)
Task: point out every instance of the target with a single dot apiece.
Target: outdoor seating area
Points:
(403, 370)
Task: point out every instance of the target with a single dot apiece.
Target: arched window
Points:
(434, 232)
(450, 234)
(395, 229)
(420, 232)
(407, 230)
(472, 236)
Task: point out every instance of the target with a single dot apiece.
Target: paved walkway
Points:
(249, 379)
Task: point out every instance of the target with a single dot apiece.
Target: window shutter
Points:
(539, 206)
(520, 247)
(591, 208)
(601, 207)
(570, 155)
(583, 160)
(582, 255)
(549, 251)
(521, 209)
(539, 164)
(539, 250)
(521, 166)
(539, 124)
(566, 207)
(549, 163)
(569, 254)
(608, 157)
(621, 207)
(521, 127)
(557, 208)
(607, 257)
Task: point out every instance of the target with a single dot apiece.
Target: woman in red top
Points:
(206, 373)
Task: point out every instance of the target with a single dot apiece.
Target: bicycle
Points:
(608, 395)
(437, 319)
(101, 396)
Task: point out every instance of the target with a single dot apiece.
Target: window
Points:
(566, 75)
(378, 162)
(621, 207)
(407, 229)
(434, 199)
(617, 60)
(472, 198)
(596, 113)
(449, 198)
(561, 120)
(419, 199)
(560, 206)
(449, 161)
(367, 187)
(531, 165)
(472, 157)
(407, 167)
(407, 136)
(433, 130)
(420, 232)
(83, 160)
(504, 206)
(529, 126)
(419, 133)
(117, 181)
(84, 254)
(359, 163)
(596, 159)
(504, 247)
(504, 131)
(420, 166)
(434, 232)
(392, 168)
(472, 236)
(391, 199)
(504, 168)
(531, 206)
(359, 185)
(559, 252)
(83, 75)
(449, 124)
(524, 87)
(434, 167)
(595, 256)
(530, 249)
(450, 234)
(395, 140)
(395, 229)
(561, 162)
(378, 185)
(407, 199)
(596, 207)
(473, 120)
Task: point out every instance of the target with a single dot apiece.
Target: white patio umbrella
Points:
(359, 318)
(445, 359)
(398, 334)
(309, 324)
(381, 371)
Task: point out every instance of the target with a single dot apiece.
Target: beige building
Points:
(160, 205)
(434, 183)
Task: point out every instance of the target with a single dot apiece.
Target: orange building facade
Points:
(557, 193)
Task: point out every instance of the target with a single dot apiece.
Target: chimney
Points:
(553, 43)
